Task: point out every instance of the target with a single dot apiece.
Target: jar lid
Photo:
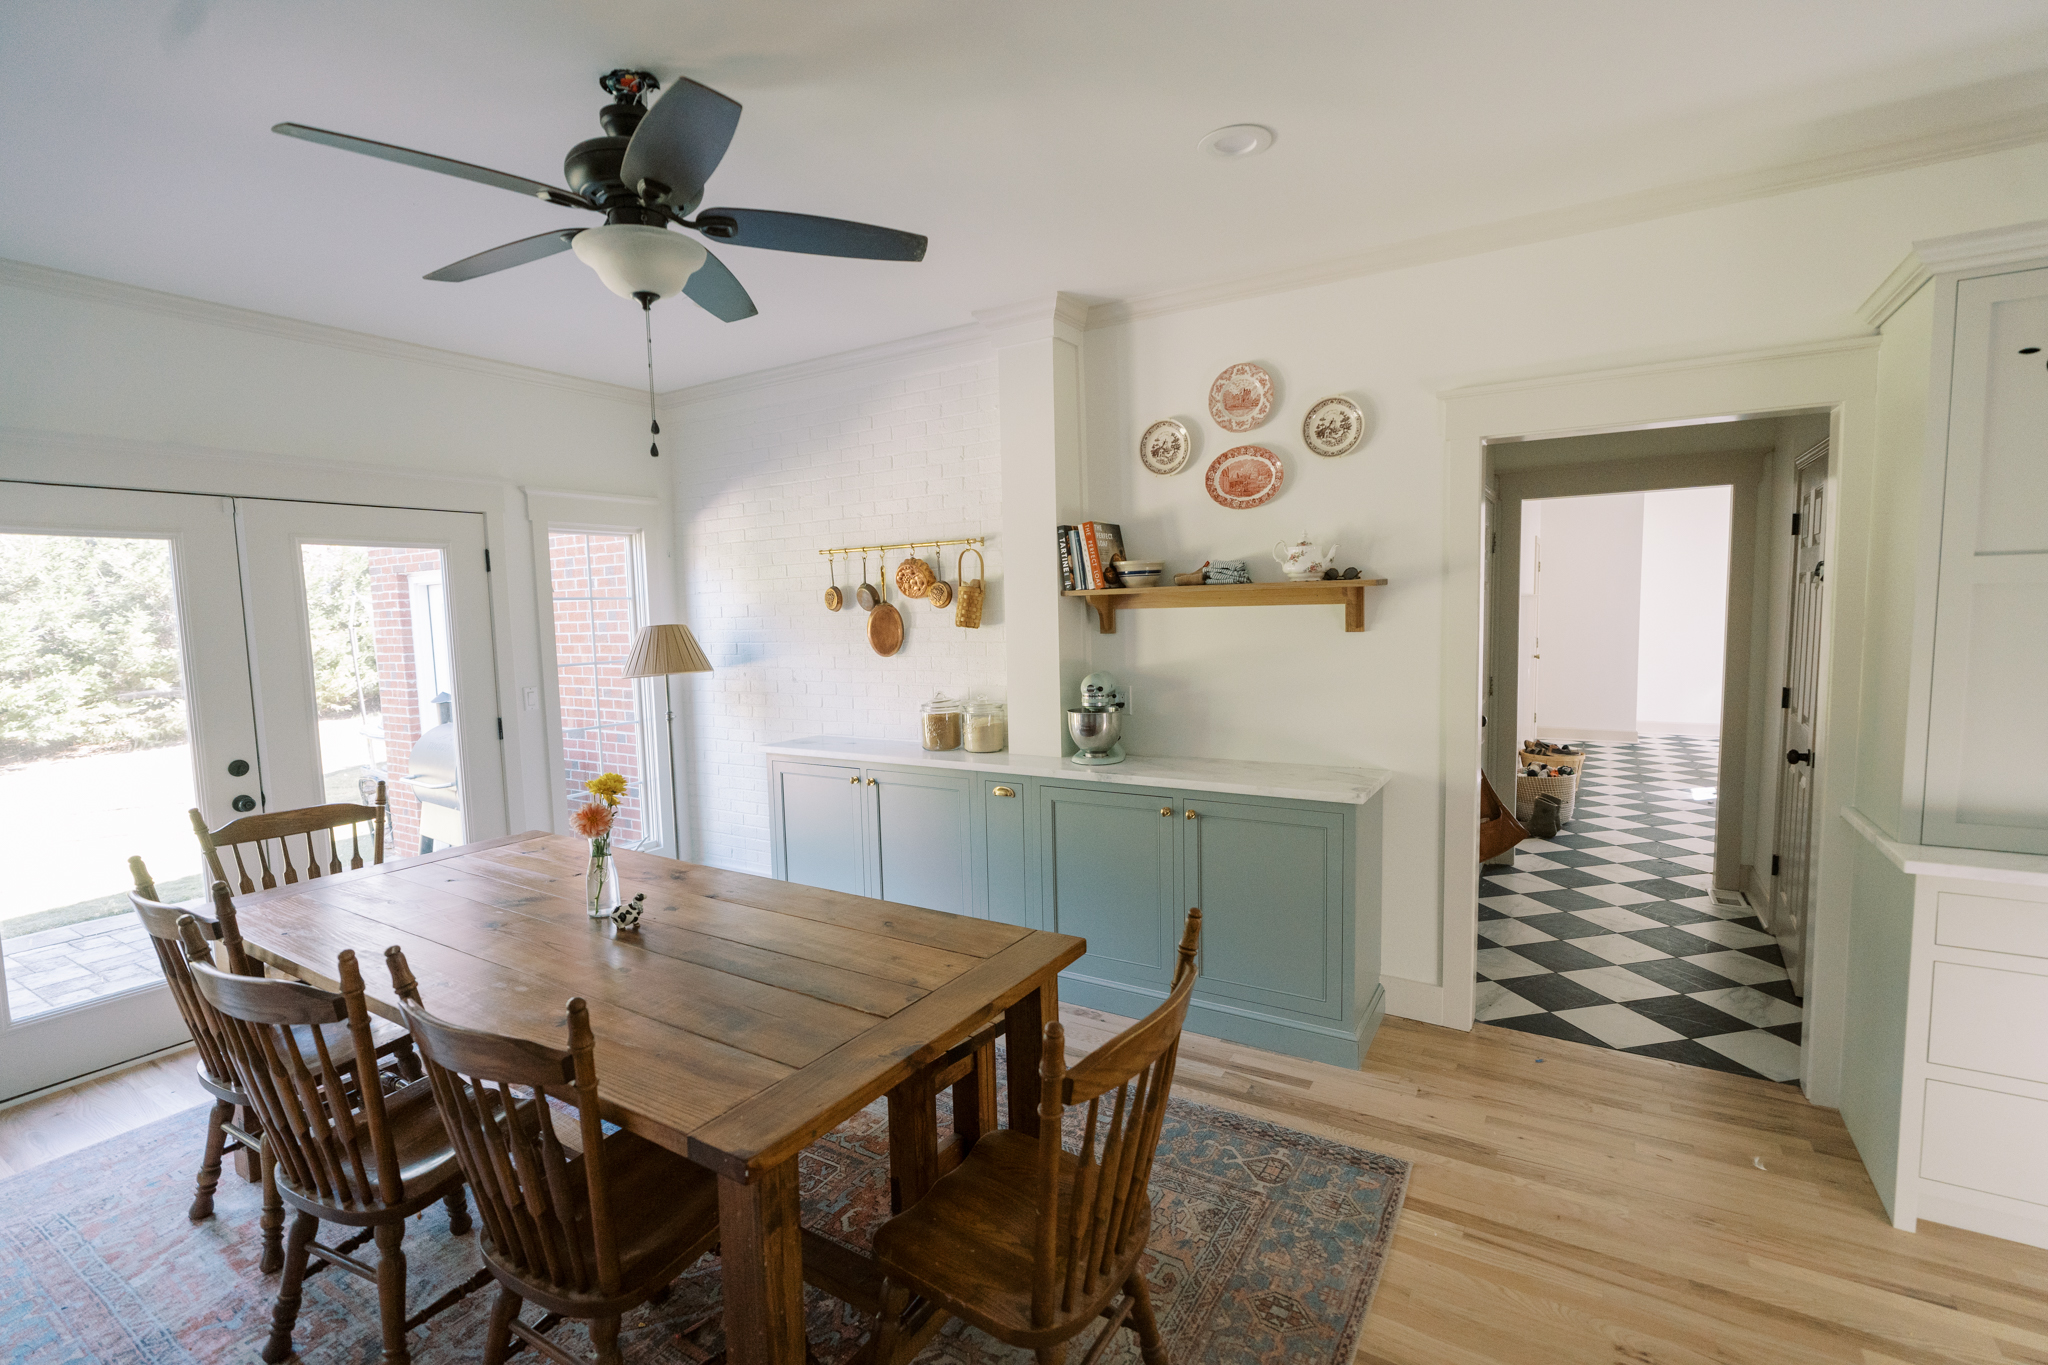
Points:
(940, 704)
(982, 706)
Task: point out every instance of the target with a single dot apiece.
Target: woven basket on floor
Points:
(1527, 789)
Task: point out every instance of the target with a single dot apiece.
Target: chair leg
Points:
(391, 1291)
(1052, 1355)
(273, 1212)
(408, 1060)
(604, 1335)
(209, 1165)
(248, 1161)
(286, 1314)
(884, 1344)
(458, 1211)
(498, 1340)
(1151, 1344)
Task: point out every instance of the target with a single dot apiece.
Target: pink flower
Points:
(593, 821)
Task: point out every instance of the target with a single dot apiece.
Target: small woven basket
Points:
(1527, 789)
(967, 603)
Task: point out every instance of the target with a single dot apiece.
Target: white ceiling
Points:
(1043, 146)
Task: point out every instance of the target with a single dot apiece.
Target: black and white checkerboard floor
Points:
(1606, 933)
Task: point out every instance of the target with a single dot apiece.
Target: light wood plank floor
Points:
(1569, 1204)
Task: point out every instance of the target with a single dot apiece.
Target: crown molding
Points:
(2016, 130)
(1962, 254)
(1063, 315)
(1798, 350)
(91, 289)
(970, 339)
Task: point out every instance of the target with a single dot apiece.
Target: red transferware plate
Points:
(1244, 476)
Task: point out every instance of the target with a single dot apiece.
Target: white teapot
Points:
(1303, 560)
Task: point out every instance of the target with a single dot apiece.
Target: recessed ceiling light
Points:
(1239, 139)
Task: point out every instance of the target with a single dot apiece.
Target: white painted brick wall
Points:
(889, 451)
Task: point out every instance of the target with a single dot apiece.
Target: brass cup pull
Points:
(1191, 815)
(1002, 791)
(1166, 810)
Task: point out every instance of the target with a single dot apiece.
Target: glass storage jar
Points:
(988, 726)
(939, 723)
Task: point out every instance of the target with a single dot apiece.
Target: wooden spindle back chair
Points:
(1036, 1270)
(269, 837)
(231, 1125)
(343, 1151)
(586, 1225)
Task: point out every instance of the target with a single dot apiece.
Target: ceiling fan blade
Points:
(809, 234)
(680, 143)
(427, 161)
(506, 256)
(718, 291)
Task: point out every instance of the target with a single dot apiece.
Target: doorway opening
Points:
(1627, 661)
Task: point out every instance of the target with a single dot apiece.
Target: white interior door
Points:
(124, 703)
(370, 647)
(1792, 856)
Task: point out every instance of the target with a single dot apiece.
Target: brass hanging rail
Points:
(904, 545)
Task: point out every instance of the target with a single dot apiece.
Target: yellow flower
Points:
(610, 787)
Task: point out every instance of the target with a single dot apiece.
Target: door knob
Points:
(239, 768)
(1191, 815)
(1166, 810)
(871, 782)
(855, 779)
(1799, 756)
(244, 803)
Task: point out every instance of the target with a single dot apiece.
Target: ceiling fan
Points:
(646, 172)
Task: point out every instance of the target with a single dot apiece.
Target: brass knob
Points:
(1166, 810)
(871, 782)
(855, 779)
(1191, 815)
(1002, 791)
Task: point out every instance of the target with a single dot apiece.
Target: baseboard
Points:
(1315, 1042)
(1595, 736)
(1422, 1001)
(2013, 1219)
(1691, 729)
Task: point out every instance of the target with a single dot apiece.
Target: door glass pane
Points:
(377, 619)
(95, 763)
(596, 615)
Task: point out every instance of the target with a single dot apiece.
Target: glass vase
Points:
(601, 882)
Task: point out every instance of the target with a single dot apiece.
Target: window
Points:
(597, 610)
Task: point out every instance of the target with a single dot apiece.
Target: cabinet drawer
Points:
(1993, 924)
(1987, 1020)
(1985, 1140)
(1270, 884)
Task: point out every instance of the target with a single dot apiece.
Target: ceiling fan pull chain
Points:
(653, 423)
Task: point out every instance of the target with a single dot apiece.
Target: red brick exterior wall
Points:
(397, 683)
(595, 620)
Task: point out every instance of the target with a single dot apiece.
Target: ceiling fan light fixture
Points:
(1237, 140)
(634, 259)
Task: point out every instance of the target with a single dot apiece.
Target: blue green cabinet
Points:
(1288, 889)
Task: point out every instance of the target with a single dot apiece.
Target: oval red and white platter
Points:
(1241, 397)
(1244, 476)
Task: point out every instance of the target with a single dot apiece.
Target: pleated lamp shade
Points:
(661, 650)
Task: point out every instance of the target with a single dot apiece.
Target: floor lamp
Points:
(661, 652)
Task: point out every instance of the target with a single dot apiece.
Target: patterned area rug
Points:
(1266, 1246)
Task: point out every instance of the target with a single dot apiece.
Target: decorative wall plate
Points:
(1244, 476)
(1165, 446)
(1333, 426)
(1241, 397)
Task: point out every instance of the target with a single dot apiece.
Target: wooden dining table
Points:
(741, 1021)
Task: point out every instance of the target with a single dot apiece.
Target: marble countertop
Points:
(1963, 864)
(1285, 781)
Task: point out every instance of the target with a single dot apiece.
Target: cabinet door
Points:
(818, 826)
(1987, 728)
(1004, 814)
(1108, 873)
(919, 851)
(1270, 884)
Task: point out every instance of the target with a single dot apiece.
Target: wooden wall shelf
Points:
(1351, 592)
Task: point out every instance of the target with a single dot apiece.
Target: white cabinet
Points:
(1987, 726)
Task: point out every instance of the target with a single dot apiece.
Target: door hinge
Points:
(1774, 864)
(1784, 699)
(501, 727)
(1795, 523)
(487, 559)
(1492, 542)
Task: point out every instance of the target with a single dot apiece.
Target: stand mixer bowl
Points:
(1095, 731)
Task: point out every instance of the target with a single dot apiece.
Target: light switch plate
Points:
(530, 697)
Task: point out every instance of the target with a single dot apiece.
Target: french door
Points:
(164, 652)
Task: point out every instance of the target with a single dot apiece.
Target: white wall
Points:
(1684, 610)
(766, 476)
(1589, 583)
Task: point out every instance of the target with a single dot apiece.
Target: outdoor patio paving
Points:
(52, 968)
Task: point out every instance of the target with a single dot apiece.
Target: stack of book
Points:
(1088, 556)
